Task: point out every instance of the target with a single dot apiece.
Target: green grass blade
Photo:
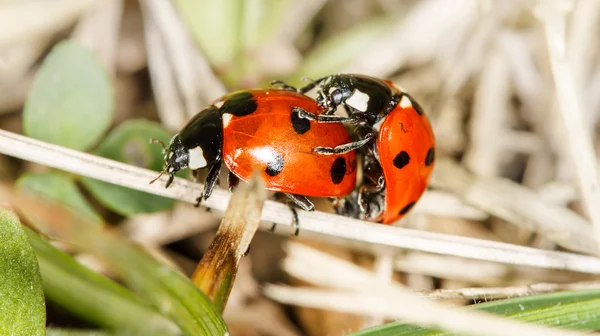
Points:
(94, 298)
(570, 309)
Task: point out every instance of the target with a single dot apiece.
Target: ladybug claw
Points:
(198, 201)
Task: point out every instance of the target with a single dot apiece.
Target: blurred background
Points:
(481, 69)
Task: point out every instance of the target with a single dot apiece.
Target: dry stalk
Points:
(137, 178)
(578, 139)
(215, 274)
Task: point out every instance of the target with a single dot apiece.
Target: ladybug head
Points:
(176, 158)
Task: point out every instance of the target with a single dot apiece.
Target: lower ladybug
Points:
(261, 129)
(398, 163)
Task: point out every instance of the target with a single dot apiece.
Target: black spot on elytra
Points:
(301, 125)
(338, 170)
(407, 208)
(275, 166)
(430, 156)
(239, 104)
(401, 160)
(414, 104)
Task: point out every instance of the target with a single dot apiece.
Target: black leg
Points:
(171, 178)
(312, 85)
(345, 148)
(232, 181)
(209, 183)
(284, 86)
(322, 118)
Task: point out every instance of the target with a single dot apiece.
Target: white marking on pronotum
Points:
(358, 100)
(219, 104)
(197, 159)
(405, 102)
(226, 119)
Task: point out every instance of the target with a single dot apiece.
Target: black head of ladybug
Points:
(197, 145)
(361, 94)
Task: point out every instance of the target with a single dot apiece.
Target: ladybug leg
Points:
(323, 118)
(284, 86)
(209, 183)
(311, 85)
(292, 202)
(345, 148)
(232, 181)
(295, 222)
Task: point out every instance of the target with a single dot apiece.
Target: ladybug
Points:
(262, 129)
(398, 163)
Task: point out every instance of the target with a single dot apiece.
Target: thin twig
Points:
(495, 293)
(579, 142)
(137, 178)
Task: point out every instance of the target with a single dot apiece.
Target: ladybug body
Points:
(261, 130)
(398, 162)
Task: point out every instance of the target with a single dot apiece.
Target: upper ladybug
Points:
(398, 164)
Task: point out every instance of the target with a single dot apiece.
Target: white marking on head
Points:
(405, 102)
(358, 100)
(226, 119)
(170, 155)
(197, 159)
(219, 104)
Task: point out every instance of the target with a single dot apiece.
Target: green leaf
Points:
(57, 186)
(22, 306)
(71, 102)
(93, 297)
(129, 143)
(571, 309)
(216, 27)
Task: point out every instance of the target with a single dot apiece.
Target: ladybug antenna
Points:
(159, 175)
(153, 141)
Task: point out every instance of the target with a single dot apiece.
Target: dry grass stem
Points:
(444, 204)
(170, 107)
(137, 178)
(517, 205)
(167, 227)
(453, 268)
(403, 305)
(553, 16)
(180, 54)
(507, 292)
(216, 272)
(488, 119)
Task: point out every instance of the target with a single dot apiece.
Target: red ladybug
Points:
(261, 129)
(398, 164)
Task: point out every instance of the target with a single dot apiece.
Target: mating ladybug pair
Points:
(303, 149)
